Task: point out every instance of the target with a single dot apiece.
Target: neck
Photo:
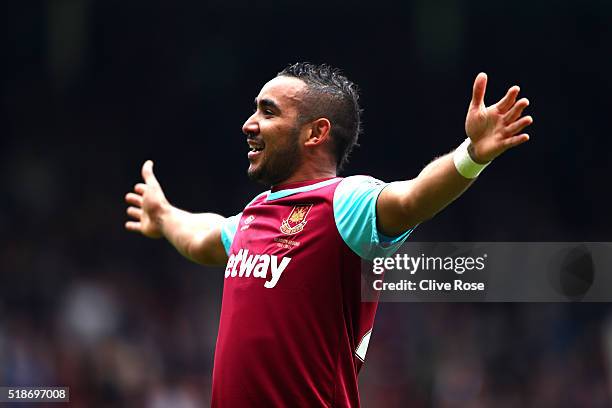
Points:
(312, 170)
(297, 177)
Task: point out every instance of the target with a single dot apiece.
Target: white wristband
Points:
(467, 167)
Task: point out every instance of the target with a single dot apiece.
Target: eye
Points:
(266, 112)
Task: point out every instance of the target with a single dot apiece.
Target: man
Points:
(293, 330)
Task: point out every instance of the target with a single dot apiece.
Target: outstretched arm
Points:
(195, 236)
(492, 130)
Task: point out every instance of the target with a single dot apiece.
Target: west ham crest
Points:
(296, 220)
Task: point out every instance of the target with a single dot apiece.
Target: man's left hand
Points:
(496, 128)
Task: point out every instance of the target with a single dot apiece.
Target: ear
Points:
(319, 132)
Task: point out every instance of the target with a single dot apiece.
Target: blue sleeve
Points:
(355, 213)
(228, 230)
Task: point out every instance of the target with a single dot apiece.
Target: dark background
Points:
(90, 89)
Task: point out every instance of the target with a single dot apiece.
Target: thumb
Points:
(147, 173)
(478, 92)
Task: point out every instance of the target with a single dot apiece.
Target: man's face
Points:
(273, 131)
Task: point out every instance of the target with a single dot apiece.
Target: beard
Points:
(278, 164)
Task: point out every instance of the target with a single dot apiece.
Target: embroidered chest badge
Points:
(296, 220)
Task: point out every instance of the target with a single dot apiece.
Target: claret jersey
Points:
(293, 330)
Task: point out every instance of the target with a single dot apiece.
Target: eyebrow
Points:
(267, 103)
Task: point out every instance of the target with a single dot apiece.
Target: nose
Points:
(251, 126)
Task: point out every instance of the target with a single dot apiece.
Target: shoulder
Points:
(355, 213)
(357, 188)
(359, 182)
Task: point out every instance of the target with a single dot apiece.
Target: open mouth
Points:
(255, 147)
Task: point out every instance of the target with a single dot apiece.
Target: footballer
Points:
(293, 330)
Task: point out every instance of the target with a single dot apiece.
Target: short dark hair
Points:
(331, 95)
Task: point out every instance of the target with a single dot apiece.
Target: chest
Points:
(289, 245)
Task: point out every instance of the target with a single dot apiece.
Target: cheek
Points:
(275, 137)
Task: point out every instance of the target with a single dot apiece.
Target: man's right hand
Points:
(148, 204)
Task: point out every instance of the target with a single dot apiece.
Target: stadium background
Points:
(90, 89)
